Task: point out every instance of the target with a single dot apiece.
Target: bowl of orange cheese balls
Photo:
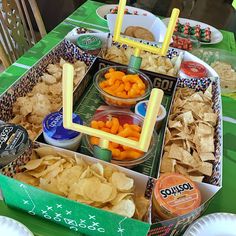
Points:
(125, 124)
(121, 86)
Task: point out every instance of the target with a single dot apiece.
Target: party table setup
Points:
(120, 122)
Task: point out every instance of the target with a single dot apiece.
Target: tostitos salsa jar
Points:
(175, 195)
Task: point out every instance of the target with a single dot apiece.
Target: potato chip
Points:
(125, 207)
(150, 61)
(119, 197)
(68, 177)
(98, 168)
(33, 164)
(26, 178)
(99, 192)
(122, 182)
(44, 151)
(142, 204)
(50, 186)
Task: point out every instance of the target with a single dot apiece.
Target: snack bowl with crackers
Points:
(121, 86)
(125, 124)
(148, 28)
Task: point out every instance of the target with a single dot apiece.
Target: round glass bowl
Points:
(123, 117)
(119, 101)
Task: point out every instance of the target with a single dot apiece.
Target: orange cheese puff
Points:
(115, 152)
(113, 76)
(130, 78)
(120, 129)
(115, 125)
(126, 132)
(127, 148)
(133, 138)
(103, 84)
(120, 88)
(108, 90)
(106, 129)
(94, 140)
(142, 91)
(140, 84)
(114, 145)
(130, 148)
(122, 94)
(101, 124)
(127, 86)
(136, 128)
(129, 132)
(108, 124)
(94, 124)
(115, 85)
(130, 154)
(111, 70)
(113, 80)
(132, 93)
(135, 87)
(135, 134)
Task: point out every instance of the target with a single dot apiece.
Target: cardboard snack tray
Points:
(131, 227)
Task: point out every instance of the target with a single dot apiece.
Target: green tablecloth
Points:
(86, 16)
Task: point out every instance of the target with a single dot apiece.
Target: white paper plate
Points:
(216, 35)
(218, 224)
(105, 9)
(11, 227)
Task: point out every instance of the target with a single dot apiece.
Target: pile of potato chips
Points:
(46, 97)
(93, 184)
(151, 62)
(189, 143)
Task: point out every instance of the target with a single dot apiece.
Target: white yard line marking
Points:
(229, 119)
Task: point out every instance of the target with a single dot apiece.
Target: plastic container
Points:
(124, 117)
(55, 134)
(175, 195)
(192, 69)
(141, 107)
(118, 101)
(90, 44)
(14, 142)
(227, 76)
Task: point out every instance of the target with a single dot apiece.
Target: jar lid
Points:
(89, 42)
(193, 69)
(141, 109)
(14, 140)
(177, 194)
(53, 126)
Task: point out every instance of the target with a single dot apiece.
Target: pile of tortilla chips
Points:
(189, 144)
(94, 184)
